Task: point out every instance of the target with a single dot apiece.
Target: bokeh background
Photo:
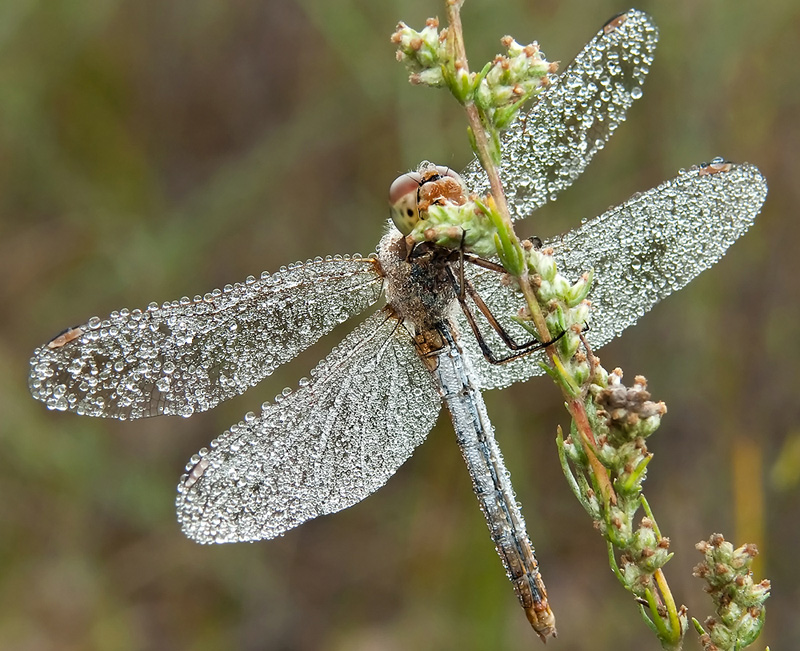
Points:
(151, 149)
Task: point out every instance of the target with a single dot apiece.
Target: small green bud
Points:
(720, 634)
(424, 53)
(581, 313)
(739, 602)
(433, 77)
(511, 80)
(749, 626)
(451, 225)
(560, 288)
(742, 557)
(580, 290)
(543, 264)
(581, 371)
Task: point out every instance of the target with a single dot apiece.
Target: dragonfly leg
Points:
(484, 309)
(465, 288)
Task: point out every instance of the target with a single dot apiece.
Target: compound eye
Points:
(403, 185)
(446, 171)
(403, 201)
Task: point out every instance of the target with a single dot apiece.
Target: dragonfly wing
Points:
(547, 149)
(642, 251)
(658, 241)
(318, 450)
(189, 355)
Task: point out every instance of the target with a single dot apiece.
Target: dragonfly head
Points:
(412, 193)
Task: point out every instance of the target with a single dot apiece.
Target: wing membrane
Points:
(320, 449)
(189, 355)
(642, 251)
(546, 150)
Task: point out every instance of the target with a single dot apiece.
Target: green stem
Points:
(568, 474)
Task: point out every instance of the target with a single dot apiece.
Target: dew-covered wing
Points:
(189, 355)
(642, 251)
(326, 446)
(545, 150)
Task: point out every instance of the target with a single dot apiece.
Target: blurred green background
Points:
(152, 149)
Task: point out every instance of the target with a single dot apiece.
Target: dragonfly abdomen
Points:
(491, 481)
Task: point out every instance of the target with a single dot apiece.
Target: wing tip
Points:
(627, 20)
(756, 179)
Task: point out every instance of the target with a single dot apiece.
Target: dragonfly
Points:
(348, 427)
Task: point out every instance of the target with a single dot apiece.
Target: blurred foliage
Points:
(153, 149)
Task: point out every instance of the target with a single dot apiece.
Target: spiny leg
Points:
(465, 288)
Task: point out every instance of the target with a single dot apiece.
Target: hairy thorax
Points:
(418, 286)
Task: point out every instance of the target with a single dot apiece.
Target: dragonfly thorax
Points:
(418, 285)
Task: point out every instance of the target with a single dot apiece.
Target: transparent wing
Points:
(642, 251)
(189, 355)
(319, 450)
(545, 150)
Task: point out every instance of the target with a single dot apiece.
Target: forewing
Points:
(318, 450)
(545, 150)
(189, 355)
(642, 251)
